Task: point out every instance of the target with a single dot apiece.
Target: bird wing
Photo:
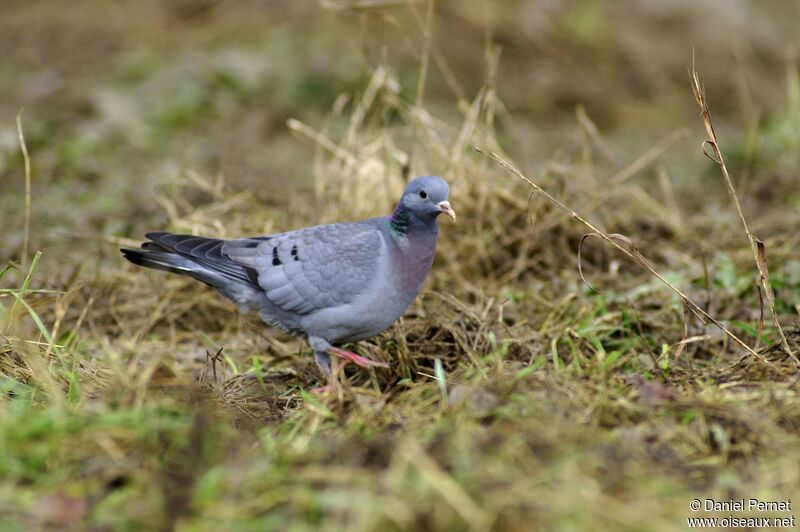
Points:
(310, 269)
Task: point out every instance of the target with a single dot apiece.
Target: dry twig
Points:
(24, 148)
(631, 251)
(757, 246)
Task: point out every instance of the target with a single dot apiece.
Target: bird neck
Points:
(399, 221)
(403, 223)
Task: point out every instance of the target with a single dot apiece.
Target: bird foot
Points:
(358, 360)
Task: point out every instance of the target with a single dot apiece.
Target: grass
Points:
(530, 387)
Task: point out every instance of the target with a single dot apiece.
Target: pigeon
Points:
(331, 284)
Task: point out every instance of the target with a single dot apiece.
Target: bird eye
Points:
(423, 194)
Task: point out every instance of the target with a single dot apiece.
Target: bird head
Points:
(427, 197)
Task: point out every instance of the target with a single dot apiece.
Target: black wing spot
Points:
(294, 252)
(275, 260)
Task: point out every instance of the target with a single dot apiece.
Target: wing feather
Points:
(315, 268)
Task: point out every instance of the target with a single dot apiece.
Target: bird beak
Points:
(444, 206)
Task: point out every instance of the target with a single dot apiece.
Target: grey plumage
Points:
(332, 283)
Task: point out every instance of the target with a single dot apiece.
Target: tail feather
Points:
(198, 257)
(167, 262)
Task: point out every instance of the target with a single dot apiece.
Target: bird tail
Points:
(198, 257)
(156, 260)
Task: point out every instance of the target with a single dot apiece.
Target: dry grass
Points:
(517, 397)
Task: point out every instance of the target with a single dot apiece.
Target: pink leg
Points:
(347, 356)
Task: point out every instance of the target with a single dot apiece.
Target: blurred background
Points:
(144, 400)
(121, 100)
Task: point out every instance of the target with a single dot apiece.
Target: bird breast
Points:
(402, 273)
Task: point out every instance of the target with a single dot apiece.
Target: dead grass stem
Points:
(27, 160)
(631, 251)
(757, 246)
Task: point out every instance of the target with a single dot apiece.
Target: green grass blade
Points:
(36, 319)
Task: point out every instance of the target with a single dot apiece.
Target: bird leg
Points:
(358, 360)
(323, 361)
(322, 351)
